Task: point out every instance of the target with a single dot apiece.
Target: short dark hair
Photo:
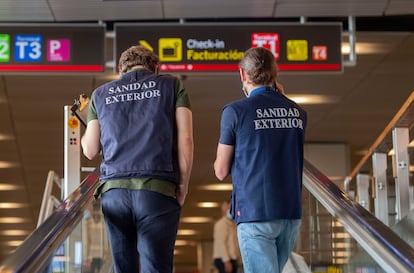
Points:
(138, 55)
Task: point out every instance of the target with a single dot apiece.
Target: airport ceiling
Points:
(357, 106)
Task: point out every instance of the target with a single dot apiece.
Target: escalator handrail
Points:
(38, 248)
(385, 247)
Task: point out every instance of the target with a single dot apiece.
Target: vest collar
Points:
(260, 89)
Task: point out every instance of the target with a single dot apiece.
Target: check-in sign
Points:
(219, 47)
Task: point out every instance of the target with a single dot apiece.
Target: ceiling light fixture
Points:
(9, 205)
(218, 187)
(208, 204)
(5, 137)
(13, 220)
(177, 252)
(362, 48)
(14, 232)
(184, 243)
(7, 164)
(14, 243)
(186, 232)
(312, 99)
(8, 187)
(196, 220)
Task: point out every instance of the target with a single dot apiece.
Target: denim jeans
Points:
(265, 246)
(142, 228)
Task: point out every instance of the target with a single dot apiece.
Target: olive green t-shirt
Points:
(161, 186)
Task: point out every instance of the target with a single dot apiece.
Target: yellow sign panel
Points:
(170, 49)
(297, 50)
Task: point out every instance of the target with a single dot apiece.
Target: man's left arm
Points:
(184, 120)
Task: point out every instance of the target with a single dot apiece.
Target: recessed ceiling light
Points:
(8, 187)
(9, 205)
(14, 232)
(364, 48)
(312, 99)
(186, 232)
(196, 219)
(341, 244)
(218, 187)
(208, 204)
(13, 220)
(184, 243)
(14, 243)
(7, 164)
(341, 235)
(6, 137)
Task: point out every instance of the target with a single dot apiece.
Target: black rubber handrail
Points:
(34, 254)
(386, 247)
(391, 252)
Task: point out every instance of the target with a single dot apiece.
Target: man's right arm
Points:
(91, 139)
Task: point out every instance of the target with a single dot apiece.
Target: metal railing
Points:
(382, 176)
(49, 202)
(390, 252)
(37, 251)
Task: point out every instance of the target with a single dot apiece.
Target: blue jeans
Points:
(142, 228)
(265, 246)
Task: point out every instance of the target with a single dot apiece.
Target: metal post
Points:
(363, 190)
(352, 40)
(379, 166)
(71, 179)
(400, 137)
(72, 153)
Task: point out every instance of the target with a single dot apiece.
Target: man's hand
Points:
(181, 193)
(228, 267)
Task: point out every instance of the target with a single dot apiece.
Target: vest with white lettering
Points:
(136, 114)
(268, 162)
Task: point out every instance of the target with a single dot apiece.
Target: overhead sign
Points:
(219, 47)
(52, 48)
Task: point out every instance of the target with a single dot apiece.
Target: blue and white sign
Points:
(28, 48)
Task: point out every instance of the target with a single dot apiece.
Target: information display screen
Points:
(52, 48)
(219, 47)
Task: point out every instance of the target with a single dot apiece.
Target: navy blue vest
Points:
(136, 114)
(268, 163)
